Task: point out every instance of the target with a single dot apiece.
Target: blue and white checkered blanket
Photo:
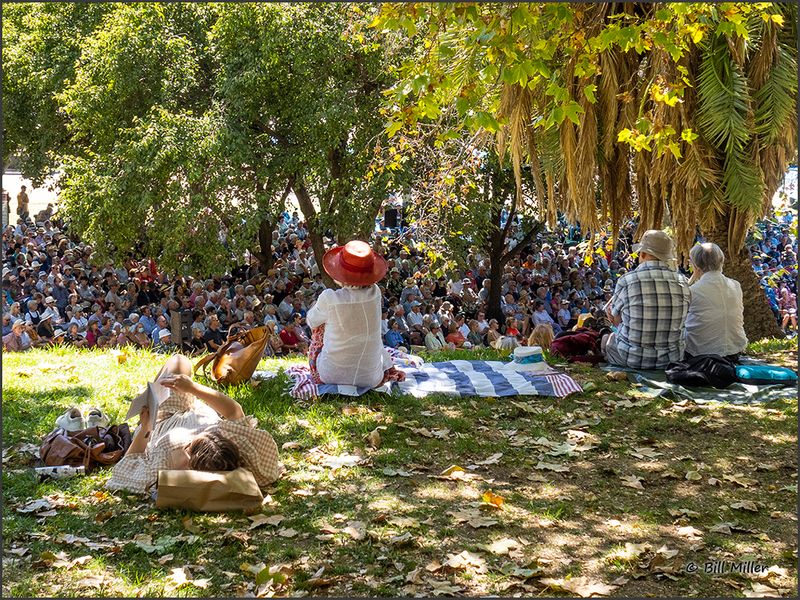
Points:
(463, 378)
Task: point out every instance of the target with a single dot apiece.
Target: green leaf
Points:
(589, 91)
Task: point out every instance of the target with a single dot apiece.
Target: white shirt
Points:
(352, 351)
(715, 321)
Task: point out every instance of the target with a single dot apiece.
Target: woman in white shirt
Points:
(352, 351)
(715, 321)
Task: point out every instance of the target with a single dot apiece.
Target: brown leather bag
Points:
(91, 448)
(236, 360)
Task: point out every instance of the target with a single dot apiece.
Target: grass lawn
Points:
(608, 492)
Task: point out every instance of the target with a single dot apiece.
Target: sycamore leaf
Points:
(582, 586)
(466, 561)
(503, 546)
(632, 481)
(259, 520)
(356, 530)
(558, 468)
(745, 505)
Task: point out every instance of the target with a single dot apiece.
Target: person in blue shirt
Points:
(393, 337)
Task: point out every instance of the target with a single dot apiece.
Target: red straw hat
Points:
(355, 263)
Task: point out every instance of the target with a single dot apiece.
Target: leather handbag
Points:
(90, 448)
(236, 360)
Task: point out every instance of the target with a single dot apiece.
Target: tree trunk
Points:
(493, 310)
(264, 255)
(759, 321)
(310, 215)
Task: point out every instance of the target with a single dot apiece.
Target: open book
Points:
(153, 397)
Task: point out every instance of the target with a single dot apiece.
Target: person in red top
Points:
(291, 341)
(455, 337)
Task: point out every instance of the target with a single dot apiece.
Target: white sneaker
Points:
(72, 420)
(96, 418)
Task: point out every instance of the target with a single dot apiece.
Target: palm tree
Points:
(682, 115)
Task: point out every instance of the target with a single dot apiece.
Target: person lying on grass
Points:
(197, 428)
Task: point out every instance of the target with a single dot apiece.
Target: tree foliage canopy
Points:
(183, 127)
(684, 107)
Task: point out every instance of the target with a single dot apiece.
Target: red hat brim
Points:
(332, 262)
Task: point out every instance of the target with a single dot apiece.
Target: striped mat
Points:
(462, 378)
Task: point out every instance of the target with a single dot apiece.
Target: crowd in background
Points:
(55, 292)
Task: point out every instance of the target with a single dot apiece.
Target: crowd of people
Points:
(56, 293)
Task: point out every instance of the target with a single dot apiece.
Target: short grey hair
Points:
(707, 257)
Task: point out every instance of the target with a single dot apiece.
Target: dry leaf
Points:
(689, 532)
(466, 561)
(374, 438)
(558, 468)
(179, 577)
(401, 540)
(740, 480)
(713, 481)
(287, 532)
(503, 546)
(356, 530)
(389, 472)
(165, 559)
(632, 481)
(259, 520)
(693, 476)
(444, 588)
(492, 500)
(745, 505)
(493, 459)
(291, 446)
(582, 586)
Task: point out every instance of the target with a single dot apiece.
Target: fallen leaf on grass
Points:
(341, 461)
(713, 481)
(404, 522)
(466, 561)
(287, 532)
(93, 581)
(503, 546)
(259, 520)
(456, 473)
(472, 517)
(689, 532)
(374, 438)
(693, 476)
(745, 505)
(39, 505)
(389, 472)
(356, 530)
(558, 468)
(629, 552)
(492, 500)
(165, 559)
(682, 512)
(291, 446)
(317, 581)
(632, 481)
(189, 525)
(740, 480)
(403, 539)
(759, 590)
(492, 460)
(582, 586)
(645, 453)
(444, 588)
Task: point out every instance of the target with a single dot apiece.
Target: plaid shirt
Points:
(653, 302)
(181, 419)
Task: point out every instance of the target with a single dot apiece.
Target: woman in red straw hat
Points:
(347, 347)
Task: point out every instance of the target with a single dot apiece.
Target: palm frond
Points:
(776, 98)
(723, 99)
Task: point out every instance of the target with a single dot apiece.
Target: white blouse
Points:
(715, 321)
(352, 351)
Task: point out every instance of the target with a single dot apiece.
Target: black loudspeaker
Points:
(390, 218)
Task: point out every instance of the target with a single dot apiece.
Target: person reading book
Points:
(186, 425)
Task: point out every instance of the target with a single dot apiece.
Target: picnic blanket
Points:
(654, 383)
(461, 378)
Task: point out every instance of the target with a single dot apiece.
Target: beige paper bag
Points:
(208, 491)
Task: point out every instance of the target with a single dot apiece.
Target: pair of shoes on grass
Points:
(75, 420)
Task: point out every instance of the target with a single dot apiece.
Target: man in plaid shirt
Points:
(649, 308)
